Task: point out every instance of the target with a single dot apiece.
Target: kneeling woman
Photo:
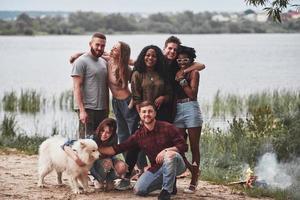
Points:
(104, 170)
(188, 114)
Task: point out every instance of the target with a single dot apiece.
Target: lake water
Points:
(236, 63)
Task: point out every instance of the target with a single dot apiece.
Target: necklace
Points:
(150, 76)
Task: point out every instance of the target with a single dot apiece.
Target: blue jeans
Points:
(127, 119)
(127, 123)
(188, 115)
(163, 178)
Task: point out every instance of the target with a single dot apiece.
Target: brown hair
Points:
(122, 72)
(111, 123)
(147, 103)
(99, 35)
(172, 39)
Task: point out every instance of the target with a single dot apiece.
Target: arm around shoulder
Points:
(74, 57)
(195, 66)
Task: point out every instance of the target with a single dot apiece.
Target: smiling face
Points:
(183, 61)
(150, 58)
(170, 51)
(147, 114)
(97, 46)
(105, 133)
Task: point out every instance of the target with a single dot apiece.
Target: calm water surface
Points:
(239, 64)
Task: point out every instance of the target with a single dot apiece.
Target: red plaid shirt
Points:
(164, 135)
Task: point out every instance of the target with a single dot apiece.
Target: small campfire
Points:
(249, 181)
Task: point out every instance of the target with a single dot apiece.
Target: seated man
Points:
(164, 146)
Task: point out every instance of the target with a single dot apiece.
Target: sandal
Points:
(190, 190)
(195, 172)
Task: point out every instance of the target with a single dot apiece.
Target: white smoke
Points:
(275, 174)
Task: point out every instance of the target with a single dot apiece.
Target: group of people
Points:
(154, 117)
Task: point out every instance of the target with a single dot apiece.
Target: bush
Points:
(8, 126)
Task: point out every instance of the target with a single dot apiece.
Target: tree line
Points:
(185, 22)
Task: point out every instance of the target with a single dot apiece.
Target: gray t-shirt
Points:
(94, 88)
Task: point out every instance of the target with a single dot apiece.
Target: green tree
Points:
(118, 22)
(24, 24)
(274, 7)
(89, 21)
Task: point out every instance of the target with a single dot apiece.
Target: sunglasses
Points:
(183, 60)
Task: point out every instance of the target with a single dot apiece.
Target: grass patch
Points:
(28, 145)
(10, 101)
(66, 100)
(279, 101)
(277, 194)
(8, 126)
(29, 101)
(10, 137)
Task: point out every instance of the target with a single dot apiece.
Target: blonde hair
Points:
(122, 72)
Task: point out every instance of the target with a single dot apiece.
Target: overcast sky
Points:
(148, 6)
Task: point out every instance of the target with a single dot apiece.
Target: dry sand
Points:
(18, 180)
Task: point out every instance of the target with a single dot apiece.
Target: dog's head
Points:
(87, 150)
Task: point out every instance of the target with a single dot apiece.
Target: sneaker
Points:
(164, 195)
(90, 180)
(190, 190)
(98, 185)
(124, 184)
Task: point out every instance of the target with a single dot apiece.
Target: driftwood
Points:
(249, 182)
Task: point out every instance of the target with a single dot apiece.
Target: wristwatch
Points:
(183, 82)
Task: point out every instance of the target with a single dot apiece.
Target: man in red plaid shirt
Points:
(164, 146)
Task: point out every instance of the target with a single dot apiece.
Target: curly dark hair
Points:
(189, 51)
(159, 66)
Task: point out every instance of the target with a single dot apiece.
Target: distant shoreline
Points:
(187, 22)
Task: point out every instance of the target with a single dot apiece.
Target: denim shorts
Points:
(188, 115)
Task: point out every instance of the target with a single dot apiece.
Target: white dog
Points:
(53, 157)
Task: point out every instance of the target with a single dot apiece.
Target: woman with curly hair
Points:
(149, 81)
(188, 114)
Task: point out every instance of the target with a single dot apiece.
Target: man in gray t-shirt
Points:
(91, 95)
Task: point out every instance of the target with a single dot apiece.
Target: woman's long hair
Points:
(122, 72)
(159, 66)
(112, 124)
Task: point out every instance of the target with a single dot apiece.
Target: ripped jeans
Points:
(163, 178)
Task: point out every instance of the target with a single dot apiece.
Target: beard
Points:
(148, 120)
(95, 53)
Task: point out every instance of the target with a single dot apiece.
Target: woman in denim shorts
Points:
(188, 114)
